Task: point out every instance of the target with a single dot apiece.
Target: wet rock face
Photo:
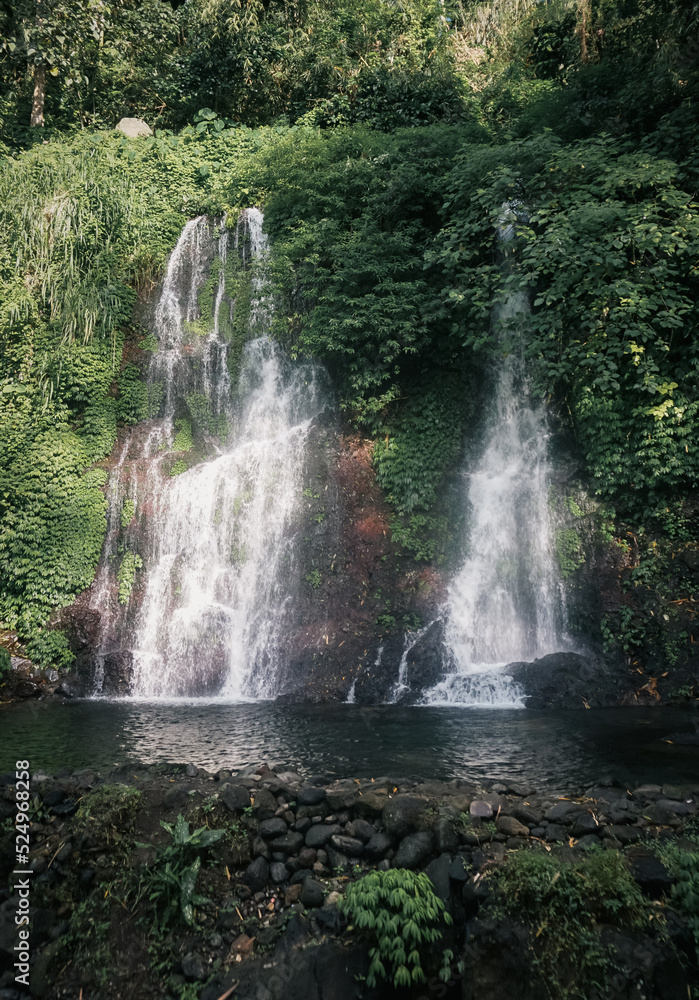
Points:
(427, 662)
(569, 680)
(118, 671)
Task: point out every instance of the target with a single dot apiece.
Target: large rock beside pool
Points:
(426, 663)
(568, 680)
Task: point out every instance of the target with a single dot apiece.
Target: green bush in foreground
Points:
(400, 912)
(567, 903)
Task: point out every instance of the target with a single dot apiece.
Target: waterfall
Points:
(220, 568)
(505, 602)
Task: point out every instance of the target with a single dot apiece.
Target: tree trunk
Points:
(585, 10)
(39, 95)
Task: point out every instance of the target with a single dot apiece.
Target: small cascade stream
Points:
(505, 603)
(216, 538)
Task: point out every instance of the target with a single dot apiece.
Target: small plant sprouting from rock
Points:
(126, 575)
(314, 578)
(569, 551)
(183, 439)
(401, 914)
(127, 513)
(386, 621)
(149, 343)
(178, 467)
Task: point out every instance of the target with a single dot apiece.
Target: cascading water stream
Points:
(219, 545)
(224, 548)
(505, 603)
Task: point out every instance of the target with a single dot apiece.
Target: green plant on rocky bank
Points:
(170, 882)
(568, 902)
(683, 866)
(401, 914)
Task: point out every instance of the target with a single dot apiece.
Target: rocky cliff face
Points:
(344, 635)
(346, 613)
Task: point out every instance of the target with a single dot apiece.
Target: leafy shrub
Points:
(138, 400)
(685, 892)
(109, 810)
(400, 913)
(684, 868)
(50, 648)
(171, 881)
(565, 902)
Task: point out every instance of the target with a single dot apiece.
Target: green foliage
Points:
(138, 400)
(685, 892)
(53, 522)
(567, 902)
(183, 438)
(425, 538)
(248, 61)
(83, 223)
(401, 915)
(422, 439)
(5, 662)
(384, 249)
(314, 578)
(178, 467)
(683, 866)
(99, 61)
(200, 412)
(349, 62)
(569, 551)
(128, 512)
(50, 648)
(149, 343)
(171, 880)
(126, 575)
(386, 622)
(412, 622)
(109, 810)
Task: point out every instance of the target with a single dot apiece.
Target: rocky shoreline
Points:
(261, 914)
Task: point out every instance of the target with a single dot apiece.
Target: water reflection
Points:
(553, 749)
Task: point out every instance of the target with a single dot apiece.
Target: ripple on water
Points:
(550, 749)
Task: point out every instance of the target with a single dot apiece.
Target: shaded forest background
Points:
(382, 139)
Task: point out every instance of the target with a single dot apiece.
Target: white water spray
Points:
(220, 562)
(505, 603)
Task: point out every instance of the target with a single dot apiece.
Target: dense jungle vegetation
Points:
(382, 138)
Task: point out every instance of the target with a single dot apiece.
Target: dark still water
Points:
(550, 749)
